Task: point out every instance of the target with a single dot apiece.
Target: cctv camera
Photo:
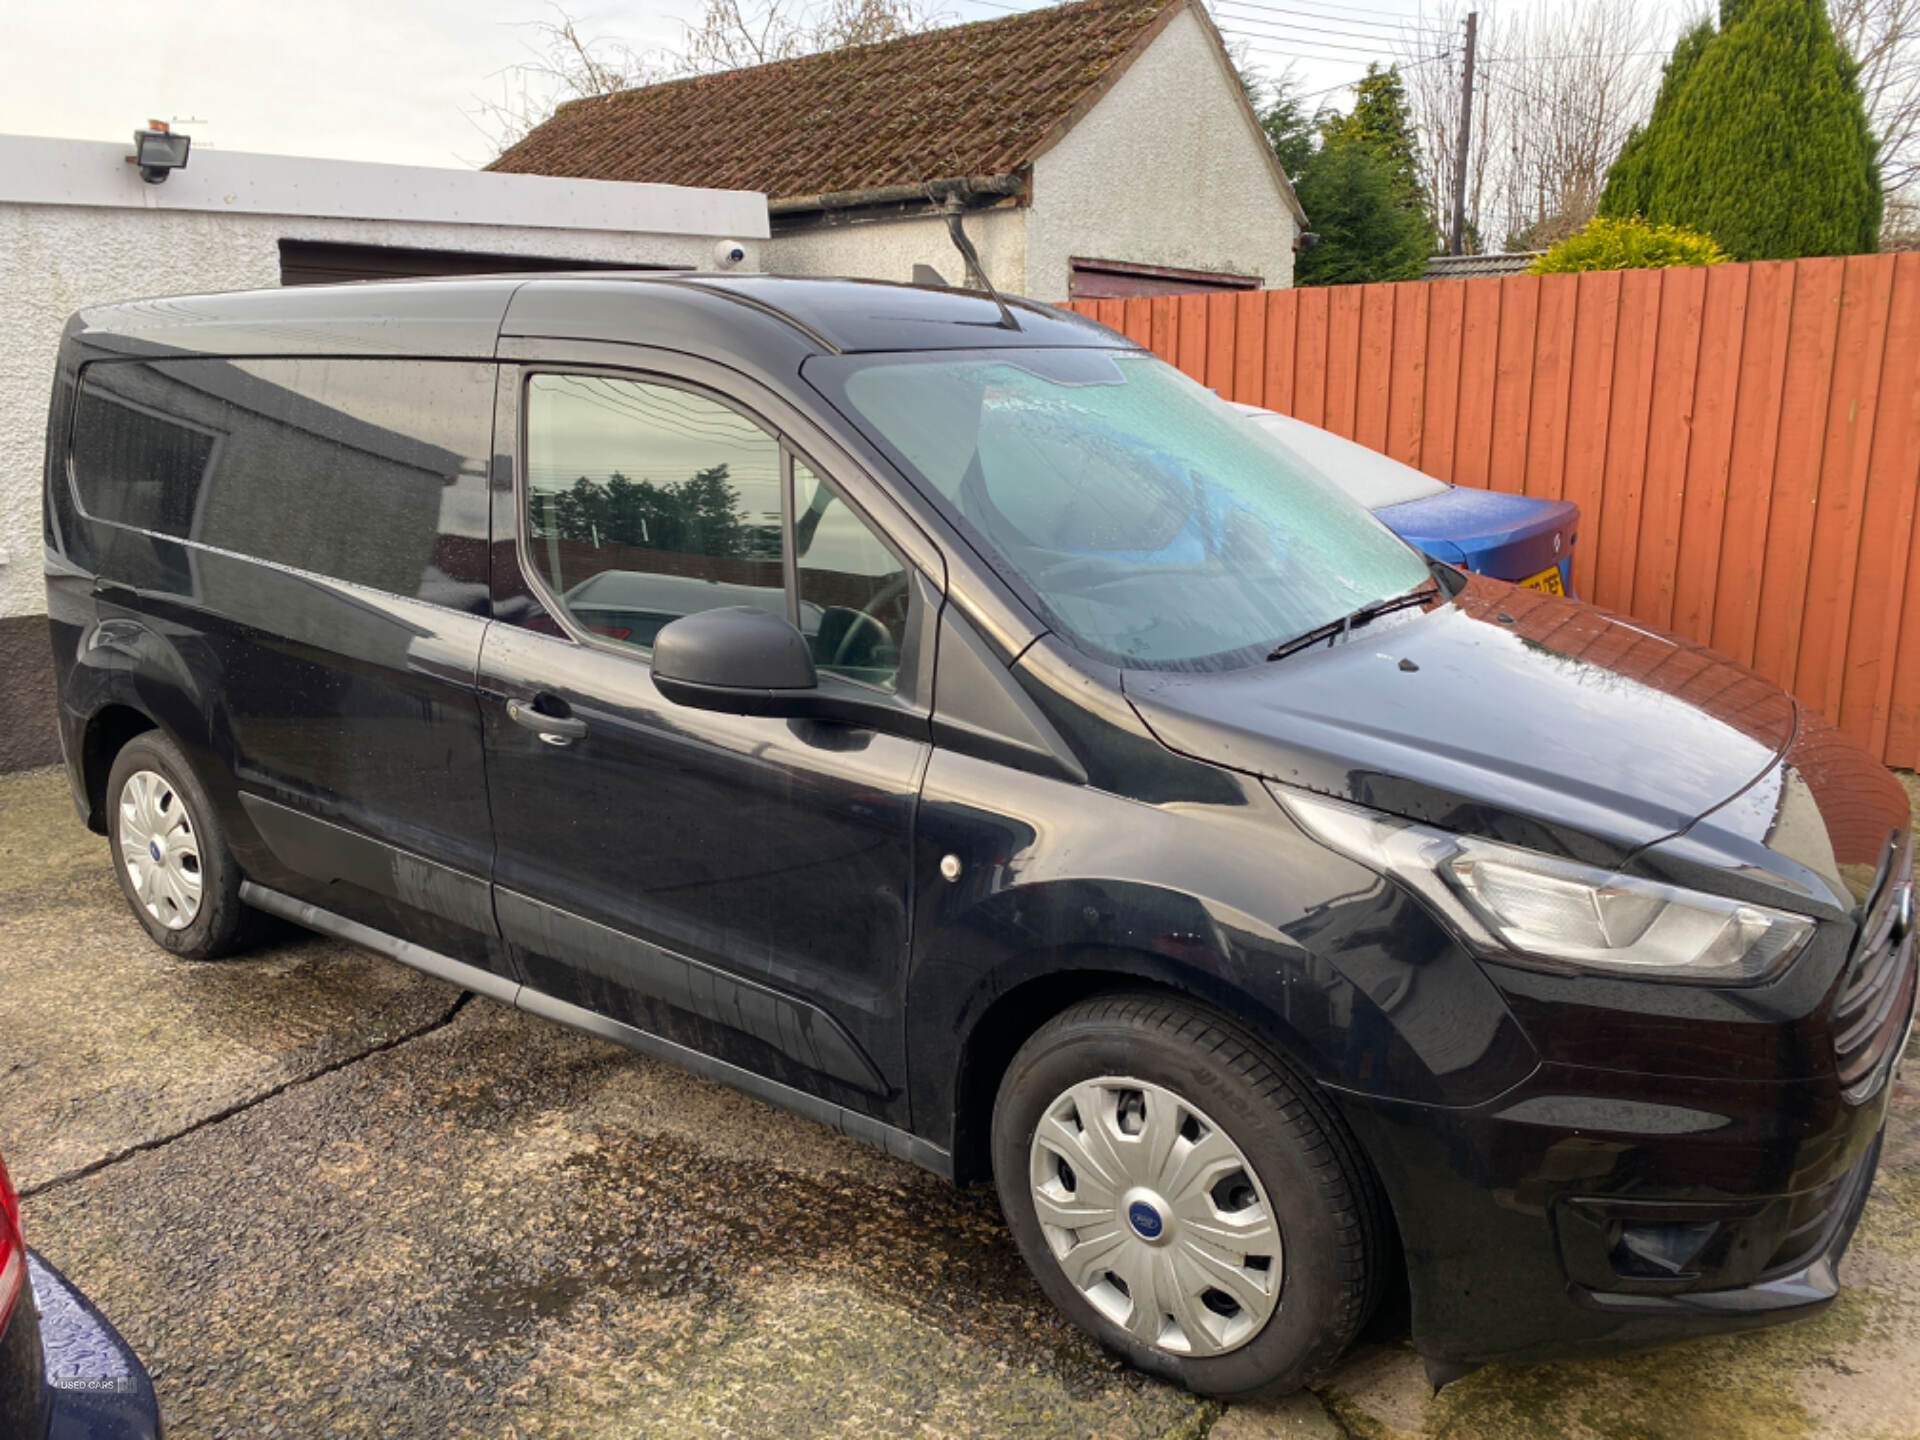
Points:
(728, 253)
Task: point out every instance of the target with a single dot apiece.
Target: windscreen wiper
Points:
(1372, 610)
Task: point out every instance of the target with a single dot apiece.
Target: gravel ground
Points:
(323, 1195)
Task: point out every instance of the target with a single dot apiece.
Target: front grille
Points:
(1870, 1013)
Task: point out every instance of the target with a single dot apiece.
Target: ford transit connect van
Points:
(958, 726)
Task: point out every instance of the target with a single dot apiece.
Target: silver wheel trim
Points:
(160, 848)
(1209, 1281)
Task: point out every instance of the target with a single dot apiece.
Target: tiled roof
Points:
(969, 101)
(1461, 267)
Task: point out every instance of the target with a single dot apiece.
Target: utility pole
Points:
(1457, 239)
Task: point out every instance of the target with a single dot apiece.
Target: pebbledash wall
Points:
(78, 227)
(1167, 168)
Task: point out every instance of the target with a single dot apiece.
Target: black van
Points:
(958, 726)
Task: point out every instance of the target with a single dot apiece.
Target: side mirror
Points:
(738, 661)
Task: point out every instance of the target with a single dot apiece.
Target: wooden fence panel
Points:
(1446, 311)
(1743, 441)
(1513, 367)
(1551, 386)
(1796, 469)
(1283, 309)
(1373, 379)
(1249, 348)
(1703, 508)
(1407, 386)
(1756, 445)
(1886, 690)
(1310, 357)
(1343, 357)
(1221, 311)
(1479, 374)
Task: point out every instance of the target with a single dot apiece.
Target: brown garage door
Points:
(314, 262)
(1116, 279)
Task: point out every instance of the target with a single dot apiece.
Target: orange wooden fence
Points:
(1743, 440)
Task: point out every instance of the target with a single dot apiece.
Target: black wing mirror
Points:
(739, 661)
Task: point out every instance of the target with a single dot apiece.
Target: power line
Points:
(1251, 5)
(1289, 27)
(1354, 10)
(1397, 27)
(1571, 55)
(1349, 84)
(1323, 49)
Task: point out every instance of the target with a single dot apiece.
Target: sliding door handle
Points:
(554, 729)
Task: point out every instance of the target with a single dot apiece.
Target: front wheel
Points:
(1185, 1198)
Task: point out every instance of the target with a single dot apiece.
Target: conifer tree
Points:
(1759, 138)
(1367, 229)
(1629, 187)
(1381, 121)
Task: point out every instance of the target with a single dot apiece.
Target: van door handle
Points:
(554, 729)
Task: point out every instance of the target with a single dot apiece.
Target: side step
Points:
(894, 1141)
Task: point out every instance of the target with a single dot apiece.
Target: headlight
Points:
(1564, 915)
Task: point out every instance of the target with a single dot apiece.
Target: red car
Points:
(65, 1373)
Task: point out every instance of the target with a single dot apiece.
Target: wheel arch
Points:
(107, 732)
(1022, 1010)
(1047, 985)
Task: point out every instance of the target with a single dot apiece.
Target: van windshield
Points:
(1155, 525)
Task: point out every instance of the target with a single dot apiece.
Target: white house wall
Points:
(79, 228)
(1165, 169)
(889, 249)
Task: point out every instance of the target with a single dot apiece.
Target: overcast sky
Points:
(401, 80)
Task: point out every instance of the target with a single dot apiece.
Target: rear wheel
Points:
(1184, 1197)
(171, 859)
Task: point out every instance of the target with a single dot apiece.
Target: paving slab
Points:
(112, 1043)
(325, 1196)
(499, 1227)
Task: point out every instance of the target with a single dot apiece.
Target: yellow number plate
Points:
(1547, 580)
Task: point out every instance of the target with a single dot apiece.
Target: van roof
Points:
(465, 316)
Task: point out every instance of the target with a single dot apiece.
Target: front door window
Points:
(647, 502)
(853, 590)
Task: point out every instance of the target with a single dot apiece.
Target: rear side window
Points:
(647, 502)
(370, 471)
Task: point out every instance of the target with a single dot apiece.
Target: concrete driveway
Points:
(323, 1195)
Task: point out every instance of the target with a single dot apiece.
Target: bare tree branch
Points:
(1883, 36)
(1432, 75)
(733, 33)
(1556, 92)
(563, 64)
(1573, 81)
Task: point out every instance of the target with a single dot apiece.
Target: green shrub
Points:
(1630, 244)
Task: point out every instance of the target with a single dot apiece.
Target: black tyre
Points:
(1186, 1198)
(172, 861)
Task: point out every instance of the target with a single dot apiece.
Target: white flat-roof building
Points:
(78, 226)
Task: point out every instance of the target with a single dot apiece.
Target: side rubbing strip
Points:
(802, 1032)
(332, 853)
(467, 977)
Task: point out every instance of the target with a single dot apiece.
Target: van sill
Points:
(891, 1139)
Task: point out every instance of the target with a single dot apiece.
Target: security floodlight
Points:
(156, 150)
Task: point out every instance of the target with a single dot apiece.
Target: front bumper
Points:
(1601, 1209)
(96, 1387)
